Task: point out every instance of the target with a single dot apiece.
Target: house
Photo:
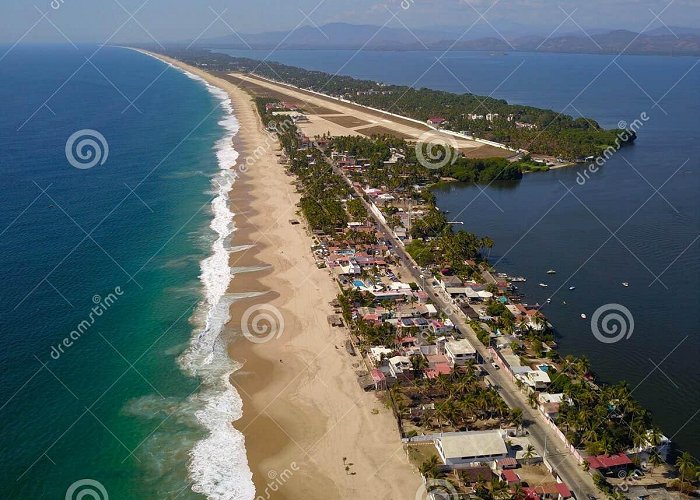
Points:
(537, 379)
(351, 268)
(608, 463)
(377, 353)
(379, 379)
(436, 121)
(460, 448)
(549, 404)
(556, 491)
(660, 443)
(438, 364)
(459, 352)
(510, 477)
(441, 327)
(400, 368)
(447, 282)
(507, 463)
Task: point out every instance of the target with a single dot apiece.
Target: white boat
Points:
(544, 285)
(572, 288)
(625, 284)
(583, 316)
(551, 271)
(549, 301)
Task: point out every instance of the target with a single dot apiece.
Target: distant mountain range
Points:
(659, 41)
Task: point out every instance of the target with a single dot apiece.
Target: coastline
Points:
(303, 412)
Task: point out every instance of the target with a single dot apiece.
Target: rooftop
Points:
(608, 461)
(473, 444)
(461, 346)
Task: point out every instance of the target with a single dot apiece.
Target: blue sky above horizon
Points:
(116, 21)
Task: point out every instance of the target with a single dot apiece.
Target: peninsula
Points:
(392, 316)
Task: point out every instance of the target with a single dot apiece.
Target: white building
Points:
(459, 352)
(537, 379)
(352, 268)
(400, 366)
(457, 448)
(376, 354)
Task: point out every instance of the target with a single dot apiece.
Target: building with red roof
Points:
(510, 477)
(436, 120)
(604, 462)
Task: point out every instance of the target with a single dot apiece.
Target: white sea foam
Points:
(218, 465)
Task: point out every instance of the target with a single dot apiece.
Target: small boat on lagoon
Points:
(544, 285)
(551, 271)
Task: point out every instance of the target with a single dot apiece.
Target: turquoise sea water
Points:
(118, 403)
(635, 219)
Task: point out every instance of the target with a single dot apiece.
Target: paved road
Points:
(544, 437)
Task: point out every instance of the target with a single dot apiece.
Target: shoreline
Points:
(303, 412)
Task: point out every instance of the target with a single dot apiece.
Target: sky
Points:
(121, 21)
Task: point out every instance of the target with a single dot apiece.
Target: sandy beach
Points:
(310, 430)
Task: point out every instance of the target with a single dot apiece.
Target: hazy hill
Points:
(683, 41)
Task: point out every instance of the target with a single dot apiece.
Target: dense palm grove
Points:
(552, 133)
(605, 419)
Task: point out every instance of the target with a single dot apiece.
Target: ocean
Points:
(634, 220)
(115, 270)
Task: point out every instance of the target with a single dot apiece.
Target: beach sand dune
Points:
(311, 432)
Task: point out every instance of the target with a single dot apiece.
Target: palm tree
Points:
(516, 416)
(419, 363)
(582, 366)
(655, 459)
(499, 489)
(517, 493)
(686, 466)
(431, 468)
(532, 399)
(529, 452)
